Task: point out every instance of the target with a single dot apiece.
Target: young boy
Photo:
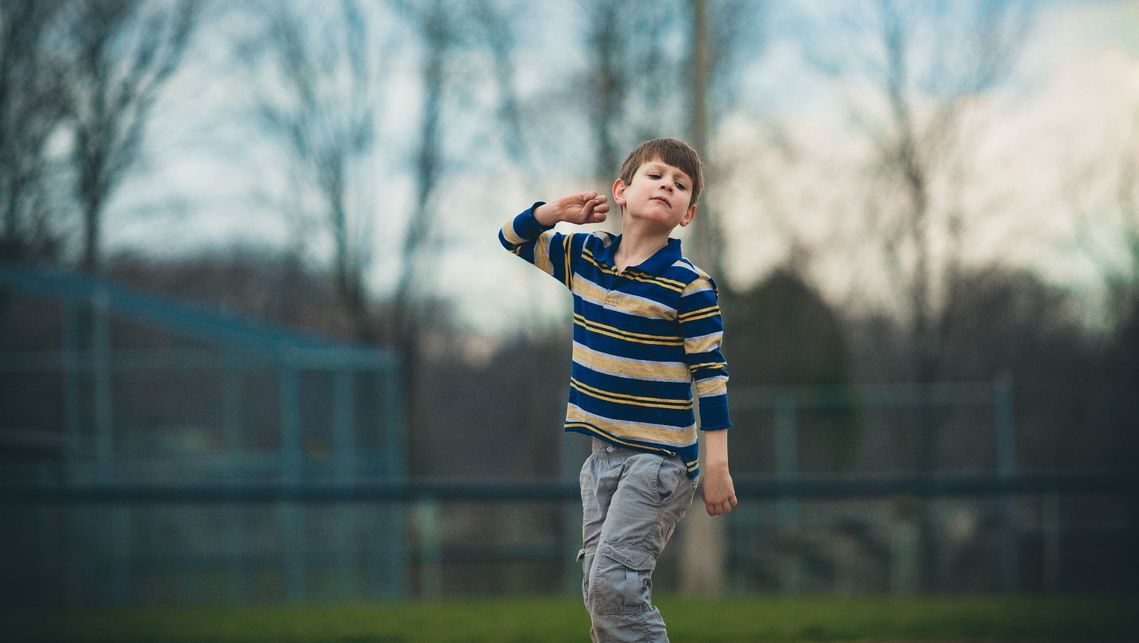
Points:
(646, 328)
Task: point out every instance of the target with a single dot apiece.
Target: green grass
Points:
(753, 618)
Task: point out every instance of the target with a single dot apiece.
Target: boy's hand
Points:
(719, 492)
(581, 208)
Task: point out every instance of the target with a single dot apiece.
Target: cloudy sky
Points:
(1043, 151)
(1041, 147)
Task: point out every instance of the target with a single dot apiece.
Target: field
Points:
(755, 618)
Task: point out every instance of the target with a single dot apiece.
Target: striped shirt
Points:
(643, 339)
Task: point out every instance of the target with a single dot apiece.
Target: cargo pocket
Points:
(621, 582)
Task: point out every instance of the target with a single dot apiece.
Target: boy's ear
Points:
(619, 188)
(688, 216)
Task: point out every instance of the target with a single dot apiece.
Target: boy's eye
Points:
(654, 175)
(680, 186)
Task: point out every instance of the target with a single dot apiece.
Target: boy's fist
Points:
(581, 208)
(719, 491)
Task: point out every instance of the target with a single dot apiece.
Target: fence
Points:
(900, 537)
(202, 459)
(104, 387)
(823, 544)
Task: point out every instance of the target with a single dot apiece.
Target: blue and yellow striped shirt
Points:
(643, 339)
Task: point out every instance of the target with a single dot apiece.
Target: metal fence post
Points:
(343, 458)
(292, 519)
(101, 353)
(344, 425)
(1051, 523)
(116, 529)
(72, 392)
(430, 550)
(73, 428)
(787, 471)
(233, 383)
(391, 545)
(1006, 470)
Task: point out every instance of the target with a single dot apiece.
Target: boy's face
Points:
(659, 193)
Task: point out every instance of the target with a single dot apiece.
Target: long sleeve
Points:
(548, 250)
(703, 331)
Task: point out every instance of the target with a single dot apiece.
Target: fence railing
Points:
(428, 552)
(1113, 483)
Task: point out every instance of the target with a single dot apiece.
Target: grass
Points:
(752, 618)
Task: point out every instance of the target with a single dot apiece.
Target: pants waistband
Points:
(603, 449)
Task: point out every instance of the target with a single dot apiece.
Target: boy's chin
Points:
(650, 221)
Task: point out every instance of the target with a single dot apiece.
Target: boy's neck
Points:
(638, 243)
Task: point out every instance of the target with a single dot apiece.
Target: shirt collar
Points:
(654, 265)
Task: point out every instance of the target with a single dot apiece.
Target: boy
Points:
(647, 327)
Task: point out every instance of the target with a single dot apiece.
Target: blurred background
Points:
(260, 342)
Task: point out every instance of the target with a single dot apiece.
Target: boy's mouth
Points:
(661, 199)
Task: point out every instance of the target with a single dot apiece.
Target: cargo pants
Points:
(631, 502)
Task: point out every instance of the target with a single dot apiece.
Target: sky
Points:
(1049, 141)
(1072, 103)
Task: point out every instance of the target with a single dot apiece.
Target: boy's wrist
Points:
(716, 464)
(545, 214)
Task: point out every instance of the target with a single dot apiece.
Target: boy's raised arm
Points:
(530, 235)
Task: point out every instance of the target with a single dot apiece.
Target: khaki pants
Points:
(631, 502)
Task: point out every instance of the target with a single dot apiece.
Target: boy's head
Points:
(672, 151)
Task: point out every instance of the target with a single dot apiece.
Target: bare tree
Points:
(912, 68)
(438, 24)
(913, 77)
(609, 83)
(714, 40)
(124, 51)
(706, 238)
(319, 103)
(433, 21)
(722, 34)
(1127, 195)
(632, 75)
(499, 33)
(33, 105)
(923, 64)
(640, 87)
(1112, 193)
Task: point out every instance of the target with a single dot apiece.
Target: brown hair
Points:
(673, 151)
